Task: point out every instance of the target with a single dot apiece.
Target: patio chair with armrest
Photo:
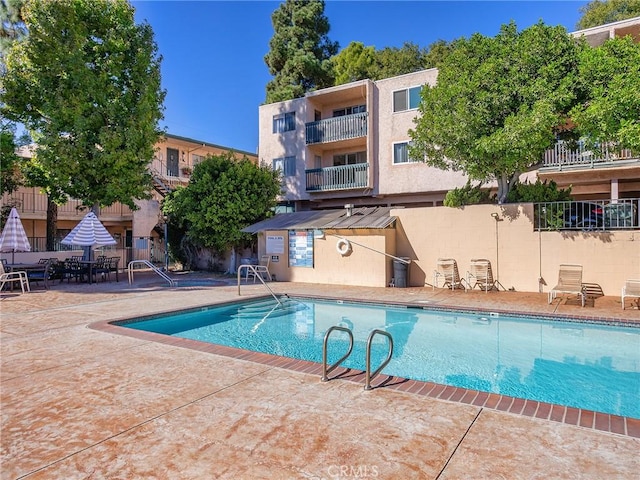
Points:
(569, 281)
(631, 289)
(447, 269)
(113, 266)
(480, 275)
(261, 269)
(12, 277)
(41, 275)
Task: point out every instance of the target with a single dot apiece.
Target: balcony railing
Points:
(337, 128)
(34, 202)
(563, 156)
(588, 215)
(344, 177)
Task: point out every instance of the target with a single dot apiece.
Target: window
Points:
(349, 110)
(196, 159)
(407, 99)
(349, 158)
(284, 122)
(287, 165)
(401, 153)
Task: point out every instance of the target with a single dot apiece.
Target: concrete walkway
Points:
(82, 403)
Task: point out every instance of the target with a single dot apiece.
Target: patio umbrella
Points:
(14, 238)
(89, 233)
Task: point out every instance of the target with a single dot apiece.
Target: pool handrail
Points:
(255, 271)
(325, 370)
(368, 375)
(147, 263)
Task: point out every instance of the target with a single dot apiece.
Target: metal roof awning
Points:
(363, 217)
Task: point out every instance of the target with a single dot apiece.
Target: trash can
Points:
(400, 272)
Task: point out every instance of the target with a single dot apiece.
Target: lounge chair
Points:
(631, 289)
(12, 277)
(480, 275)
(261, 269)
(448, 271)
(569, 281)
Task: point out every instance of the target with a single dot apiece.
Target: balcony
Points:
(337, 128)
(563, 157)
(29, 201)
(344, 177)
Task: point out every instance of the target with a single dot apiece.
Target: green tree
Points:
(300, 50)
(436, 53)
(355, 62)
(598, 12)
(12, 26)
(610, 74)
(393, 61)
(224, 196)
(86, 84)
(11, 177)
(492, 113)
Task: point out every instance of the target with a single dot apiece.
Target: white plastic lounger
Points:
(631, 289)
(569, 281)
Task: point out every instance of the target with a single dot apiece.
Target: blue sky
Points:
(213, 51)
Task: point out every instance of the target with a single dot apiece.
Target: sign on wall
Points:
(301, 248)
(275, 244)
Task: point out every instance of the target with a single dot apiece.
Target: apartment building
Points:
(348, 145)
(139, 233)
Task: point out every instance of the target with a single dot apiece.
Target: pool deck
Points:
(81, 400)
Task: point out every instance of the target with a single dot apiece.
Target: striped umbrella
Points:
(89, 233)
(14, 238)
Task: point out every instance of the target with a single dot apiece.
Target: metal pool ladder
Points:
(130, 269)
(325, 370)
(253, 269)
(368, 374)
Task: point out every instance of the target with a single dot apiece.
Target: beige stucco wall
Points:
(519, 255)
(521, 258)
(278, 145)
(392, 127)
(363, 266)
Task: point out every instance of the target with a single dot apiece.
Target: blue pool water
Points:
(583, 365)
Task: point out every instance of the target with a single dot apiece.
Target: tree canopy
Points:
(224, 196)
(85, 81)
(357, 62)
(599, 12)
(300, 50)
(497, 100)
(610, 75)
(11, 178)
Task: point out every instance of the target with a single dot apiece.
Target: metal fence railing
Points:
(588, 215)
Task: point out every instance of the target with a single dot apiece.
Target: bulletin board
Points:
(301, 248)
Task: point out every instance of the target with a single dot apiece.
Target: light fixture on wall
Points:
(183, 157)
(497, 218)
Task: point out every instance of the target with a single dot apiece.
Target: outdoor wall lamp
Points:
(496, 217)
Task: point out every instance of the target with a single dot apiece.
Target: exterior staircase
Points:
(160, 187)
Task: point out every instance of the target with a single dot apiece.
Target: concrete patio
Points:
(80, 402)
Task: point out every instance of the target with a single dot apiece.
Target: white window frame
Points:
(287, 165)
(393, 154)
(407, 98)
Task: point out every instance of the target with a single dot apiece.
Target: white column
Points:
(614, 189)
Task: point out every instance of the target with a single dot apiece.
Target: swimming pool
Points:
(582, 365)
